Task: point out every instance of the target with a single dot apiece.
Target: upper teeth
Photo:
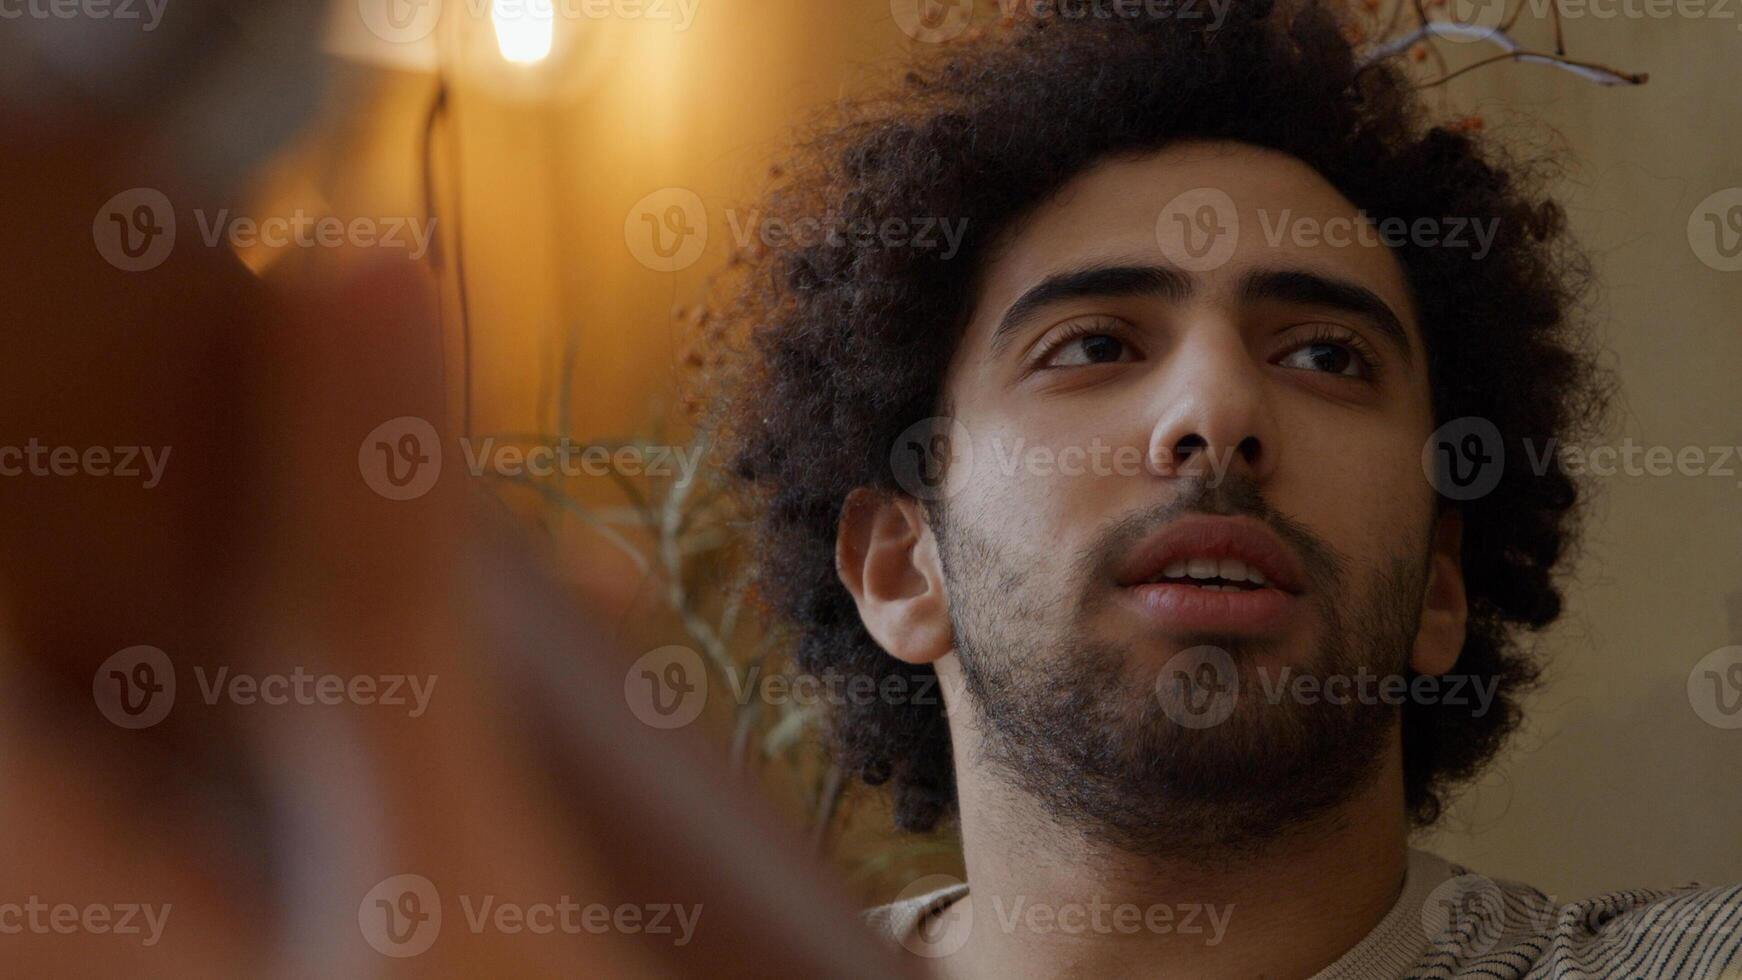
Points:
(1230, 569)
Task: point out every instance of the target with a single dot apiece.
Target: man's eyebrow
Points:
(1316, 289)
(1091, 281)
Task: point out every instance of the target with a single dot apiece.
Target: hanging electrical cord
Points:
(439, 112)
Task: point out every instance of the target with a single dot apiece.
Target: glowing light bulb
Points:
(524, 29)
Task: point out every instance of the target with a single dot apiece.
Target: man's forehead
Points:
(1215, 211)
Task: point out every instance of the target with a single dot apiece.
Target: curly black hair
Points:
(824, 354)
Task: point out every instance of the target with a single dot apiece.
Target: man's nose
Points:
(1212, 411)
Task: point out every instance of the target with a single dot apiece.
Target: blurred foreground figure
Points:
(260, 718)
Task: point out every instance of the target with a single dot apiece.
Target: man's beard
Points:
(1064, 719)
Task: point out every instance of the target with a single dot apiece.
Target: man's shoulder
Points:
(1692, 932)
(1476, 926)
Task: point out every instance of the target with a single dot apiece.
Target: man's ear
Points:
(1444, 610)
(887, 557)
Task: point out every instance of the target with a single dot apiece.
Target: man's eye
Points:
(1091, 348)
(1327, 356)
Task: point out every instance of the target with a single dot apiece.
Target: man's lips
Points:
(1213, 574)
(1237, 547)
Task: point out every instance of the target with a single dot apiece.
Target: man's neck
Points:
(1044, 904)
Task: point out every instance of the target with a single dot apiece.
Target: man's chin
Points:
(1163, 787)
(1151, 659)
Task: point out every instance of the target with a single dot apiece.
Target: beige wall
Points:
(1617, 781)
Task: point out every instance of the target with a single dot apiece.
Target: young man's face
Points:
(1150, 402)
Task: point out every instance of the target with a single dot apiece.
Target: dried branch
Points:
(829, 800)
(1428, 31)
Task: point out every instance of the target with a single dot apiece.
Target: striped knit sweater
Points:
(1449, 922)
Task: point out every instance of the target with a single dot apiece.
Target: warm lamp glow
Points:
(524, 29)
